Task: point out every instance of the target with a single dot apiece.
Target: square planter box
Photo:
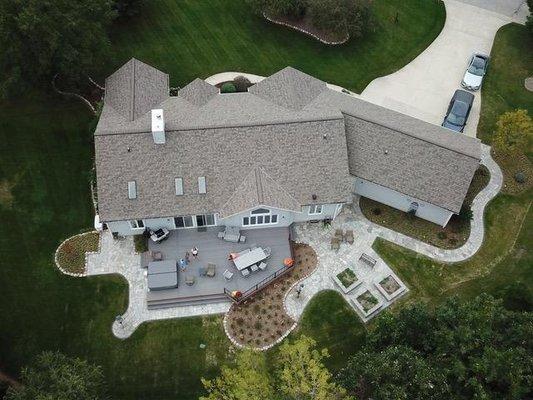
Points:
(352, 286)
(390, 287)
(360, 307)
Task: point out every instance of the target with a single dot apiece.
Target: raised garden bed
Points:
(261, 321)
(70, 255)
(347, 280)
(367, 303)
(389, 287)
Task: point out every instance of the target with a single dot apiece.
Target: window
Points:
(132, 190)
(261, 216)
(137, 224)
(315, 209)
(179, 186)
(201, 185)
(205, 220)
(183, 222)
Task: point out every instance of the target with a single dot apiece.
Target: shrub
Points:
(228, 87)
(466, 214)
(141, 243)
(514, 131)
(289, 8)
(341, 16)
(376, 211)
(242, 83)
(520, 177)
(442, 235)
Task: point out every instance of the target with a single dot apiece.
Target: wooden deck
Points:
(214, 250)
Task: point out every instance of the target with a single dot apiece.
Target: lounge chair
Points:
(348, 237)
(156, 255)
(245, 272)
(189, 280)
(254, 267)
(368, 260)
(335, 243)
(262, 266)
(268, 251)
(227, 275)
(211, 270)
(242, 239)
(220, 235)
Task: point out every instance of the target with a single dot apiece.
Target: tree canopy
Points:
(56, 376)
(298, 373)
(470, 350)
(514, 131)
(42, 38)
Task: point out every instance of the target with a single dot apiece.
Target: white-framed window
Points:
(260, 216)
(193, 221)
(137, 224)
(315, 209)
(184, 222)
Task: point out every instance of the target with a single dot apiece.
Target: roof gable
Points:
(198, 92)
(289, 88)
(258, 189)
(135, 88)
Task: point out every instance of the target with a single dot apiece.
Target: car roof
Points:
(464, 96)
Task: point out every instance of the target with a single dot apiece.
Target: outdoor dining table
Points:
(248, 259)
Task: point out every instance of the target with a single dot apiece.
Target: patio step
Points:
(187, 301)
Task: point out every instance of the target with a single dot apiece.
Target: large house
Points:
(288, 150)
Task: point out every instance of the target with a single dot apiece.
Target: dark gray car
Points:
(458, 110)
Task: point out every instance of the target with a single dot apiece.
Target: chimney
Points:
(158, 126)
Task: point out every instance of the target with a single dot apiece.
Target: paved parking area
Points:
(424, 87)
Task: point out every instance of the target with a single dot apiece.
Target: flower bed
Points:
(261, 321)
(389, 287)
(70, 255)
(346, 280)
(366, 303)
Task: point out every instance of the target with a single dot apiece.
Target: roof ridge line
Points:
(132, 110)
(201, 128)
(411, 135)
(259, 185)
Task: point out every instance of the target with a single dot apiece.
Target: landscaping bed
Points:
(367, 303)
(305, 26)
(70, 256)
(454, 235)
(346, 280)
(261, 320)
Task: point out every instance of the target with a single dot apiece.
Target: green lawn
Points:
(191, 38)
(503, 87)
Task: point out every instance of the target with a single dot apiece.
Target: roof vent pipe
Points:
(158, 126)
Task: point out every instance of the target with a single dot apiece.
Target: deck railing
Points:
(257, 287)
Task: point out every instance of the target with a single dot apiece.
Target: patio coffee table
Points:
(250, 258)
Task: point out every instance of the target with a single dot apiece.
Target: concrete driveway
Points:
(424, 87)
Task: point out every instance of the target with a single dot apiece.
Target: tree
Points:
(241, 83)
(249, 379)
(56, 376)
(42, 38)
(466, 350)
(514, 131)
(341, 16)
(397, 372)
(302, 374)
(529, 21)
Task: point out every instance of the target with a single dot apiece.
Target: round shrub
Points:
(376, 211)
(520, 177)
(228, 87)
(242, 83)
(442, 235)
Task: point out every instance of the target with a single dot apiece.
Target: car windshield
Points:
(477, 67)
(458, 113)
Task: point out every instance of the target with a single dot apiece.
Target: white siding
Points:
(401, 201)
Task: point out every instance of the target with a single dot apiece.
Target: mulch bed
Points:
(261, 320)
(306, 25)
(510, 165)
(71, 253)
(389, 284)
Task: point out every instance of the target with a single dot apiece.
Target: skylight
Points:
(132, 190)
(201, 185)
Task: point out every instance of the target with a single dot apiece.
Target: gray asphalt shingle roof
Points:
(287, 139)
